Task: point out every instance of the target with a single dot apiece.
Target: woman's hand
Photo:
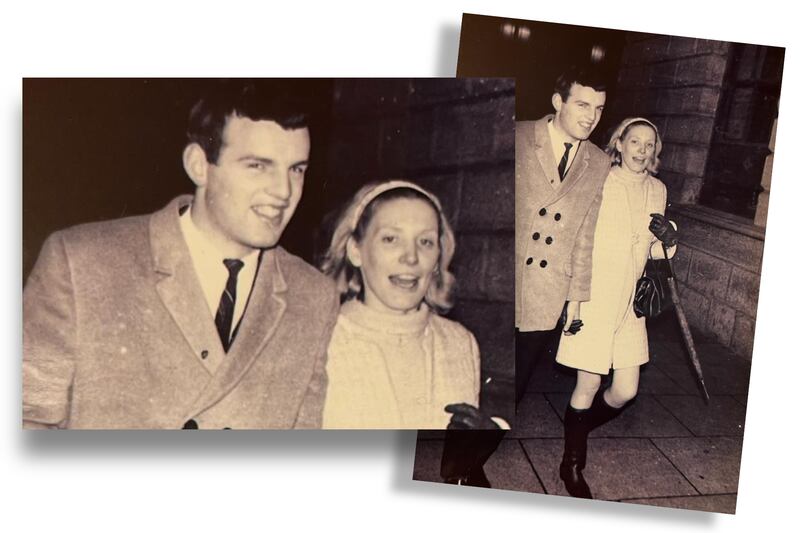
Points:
(466, 416)
(663, 230)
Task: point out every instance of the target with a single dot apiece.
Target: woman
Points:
(393, 362)
(630, 228)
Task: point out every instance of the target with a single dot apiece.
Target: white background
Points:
(94, 481)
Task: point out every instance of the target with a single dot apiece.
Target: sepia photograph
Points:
(643, 176)
(267, 253)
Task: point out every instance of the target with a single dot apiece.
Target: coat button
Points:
(536, 236)
(190, 424)
(204, 354)
(529, 261)
(558, 216)
(543, 263)
(548, 240)
(542, 211)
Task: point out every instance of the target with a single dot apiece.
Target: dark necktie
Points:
(227, 302)
(562, 166)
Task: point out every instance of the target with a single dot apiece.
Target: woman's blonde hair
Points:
(352, 224)
(620, 133)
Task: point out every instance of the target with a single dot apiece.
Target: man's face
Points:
(579, 114)
(251, 193)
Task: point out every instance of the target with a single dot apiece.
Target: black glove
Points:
(663, 230)
(574, 327)
(466, 416)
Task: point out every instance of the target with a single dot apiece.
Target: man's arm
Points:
(310, 415)
(48, 338)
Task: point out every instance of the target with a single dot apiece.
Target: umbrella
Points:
(684, 324)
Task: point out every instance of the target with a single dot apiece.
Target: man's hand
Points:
(572, 318)
(466, 416)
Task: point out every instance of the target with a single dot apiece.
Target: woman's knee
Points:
(588, 384)
(622, 393)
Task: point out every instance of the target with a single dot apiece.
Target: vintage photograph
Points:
(268, 253)
(643, 172)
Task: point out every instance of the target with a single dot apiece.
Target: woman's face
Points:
(637, 148)
(398, 254)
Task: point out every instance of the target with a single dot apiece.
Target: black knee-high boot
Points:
(576, 432)
(600, 412)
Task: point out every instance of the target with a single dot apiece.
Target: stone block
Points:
(437, 90)
(482, 86)
(743, 291)
(712, 47)
(744, 329)
(690, 190)
(465, 133)
(420, 138)
(681, 261)
(469, 266)
(488, 199)
(662, 74)
(500, 268)
(721, 319)
(709, 275)
(447, 188)
(686, 159)
(354, 149)
(492, 323)
(365, 96)
(689, 129)
(635, 76)
(393, 147)
(737, 248)
(646, 51)
(681, 47)
(706, 69)
(695, 306)
(504, 128)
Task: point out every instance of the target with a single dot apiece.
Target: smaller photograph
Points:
(643, 178)
(268, 253)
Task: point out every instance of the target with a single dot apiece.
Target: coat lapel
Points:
(544, 154)
(265, 309)
(178, 287)
(574, 173)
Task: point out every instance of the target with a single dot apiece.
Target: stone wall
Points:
(454, 137)
(677, 82)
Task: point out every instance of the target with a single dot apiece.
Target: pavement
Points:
(668, 448)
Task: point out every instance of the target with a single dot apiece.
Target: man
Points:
(559, 181)
(191, 317)
(560, 177)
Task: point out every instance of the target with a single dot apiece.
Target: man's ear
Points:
(557, 102)
(195, 164)
(353, 253)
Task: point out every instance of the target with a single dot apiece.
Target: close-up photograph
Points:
(260, 276)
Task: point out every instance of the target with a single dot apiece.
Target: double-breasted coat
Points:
(117, 334)
(554, 226)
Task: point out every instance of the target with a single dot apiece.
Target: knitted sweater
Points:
(388, 371)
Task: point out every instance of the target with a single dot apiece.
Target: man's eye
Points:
(256, 166)
(298, 170)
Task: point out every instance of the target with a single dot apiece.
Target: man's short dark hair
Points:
(586, 75)
(254, 99)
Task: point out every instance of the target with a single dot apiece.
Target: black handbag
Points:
(652, 295)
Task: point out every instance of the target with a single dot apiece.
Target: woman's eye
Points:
(388, 239)
(427, 243)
